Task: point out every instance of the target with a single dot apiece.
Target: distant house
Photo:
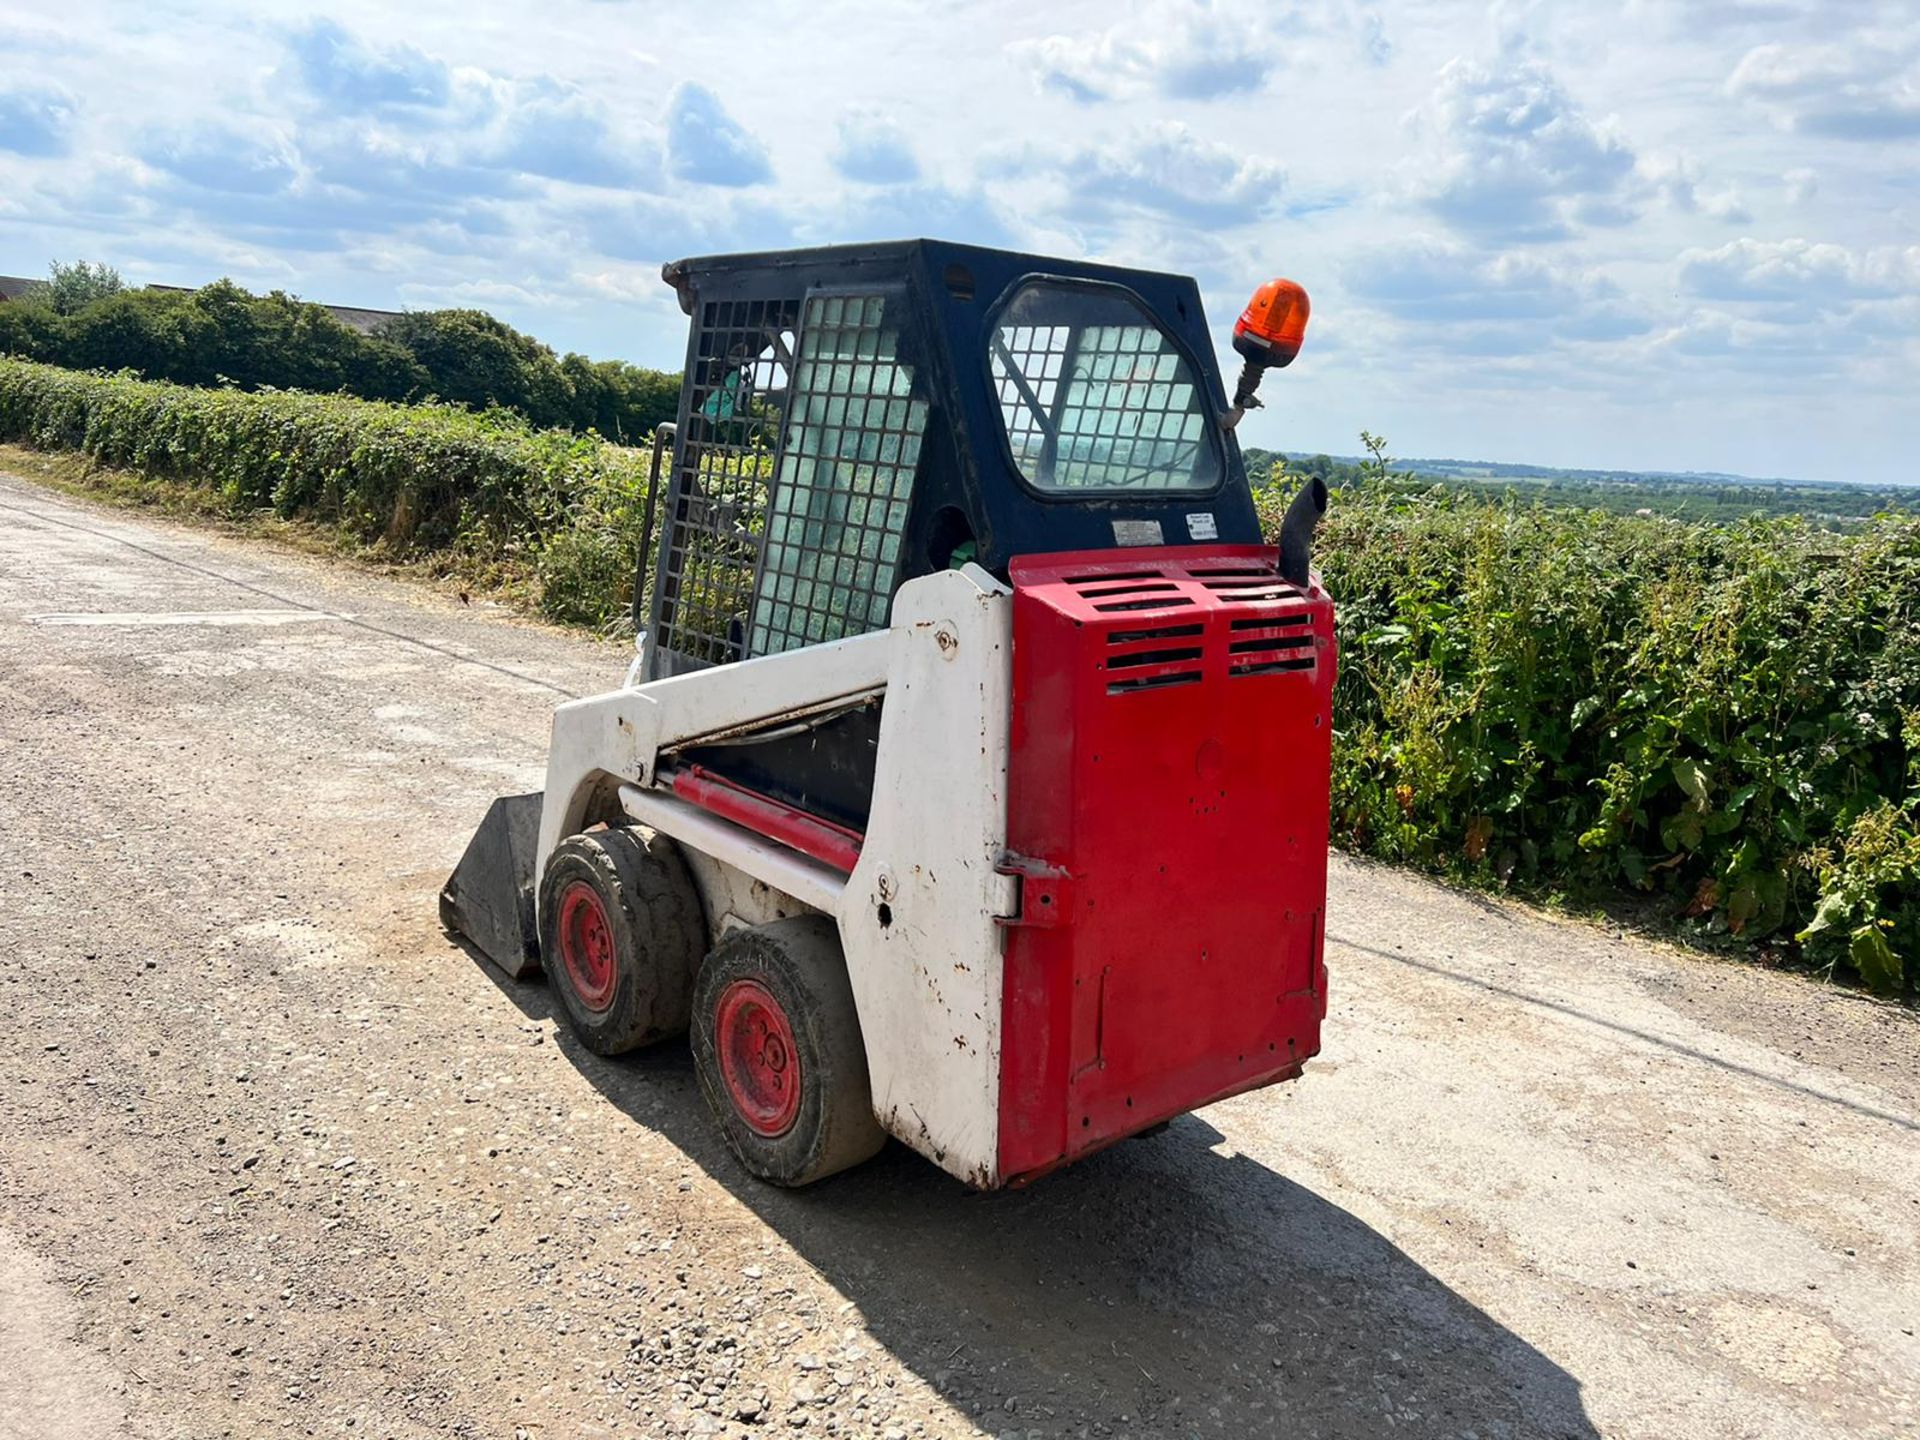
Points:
(354, 317)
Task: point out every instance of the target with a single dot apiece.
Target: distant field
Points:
(1833, 505)
(1689, 496)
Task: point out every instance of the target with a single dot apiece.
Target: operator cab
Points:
(857, 416)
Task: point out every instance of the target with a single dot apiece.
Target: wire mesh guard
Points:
(839, 509)
(741, 355)
(1095, 396)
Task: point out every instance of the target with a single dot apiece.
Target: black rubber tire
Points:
(799, 962)
(658, 928)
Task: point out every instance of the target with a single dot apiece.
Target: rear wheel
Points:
(621, 933)
(777, 1044)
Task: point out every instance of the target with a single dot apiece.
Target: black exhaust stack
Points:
(1296, 532)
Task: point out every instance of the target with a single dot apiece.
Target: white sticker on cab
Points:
(1200, 526)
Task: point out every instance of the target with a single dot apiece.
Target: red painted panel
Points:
(809, 834)
(1171, 741)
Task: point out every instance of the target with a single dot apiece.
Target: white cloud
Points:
(1186, 49)
(345, 70)
(873, 149)
(560, 132)
(1801, 273)
(1163, 170)
(1676, 178)
(1451, 299)
(706, 144)
(1865, 88)
(1785, 353)
(1512, 156)
(224, 159)
(35, 120)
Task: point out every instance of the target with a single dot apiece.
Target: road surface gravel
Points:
(278, 1158)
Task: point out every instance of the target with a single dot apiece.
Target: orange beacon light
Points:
(1267, 335)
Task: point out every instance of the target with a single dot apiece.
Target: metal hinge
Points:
(1045, 891)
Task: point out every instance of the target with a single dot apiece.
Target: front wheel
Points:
(621, 932)
(777, 1045)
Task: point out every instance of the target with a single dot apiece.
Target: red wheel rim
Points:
(586, 945)
(758, 1058)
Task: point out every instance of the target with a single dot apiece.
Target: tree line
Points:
(85, 318)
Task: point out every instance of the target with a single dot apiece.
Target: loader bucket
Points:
(488, 900)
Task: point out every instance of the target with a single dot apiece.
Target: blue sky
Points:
(1646, 234)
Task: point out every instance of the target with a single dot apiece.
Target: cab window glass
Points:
(1096, 396)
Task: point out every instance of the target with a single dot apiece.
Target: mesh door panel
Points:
(839, 509)
(742, 350)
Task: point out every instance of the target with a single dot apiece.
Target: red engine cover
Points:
(1167, 809)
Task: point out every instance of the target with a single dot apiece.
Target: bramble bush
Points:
(484, 491)
(1726, 716)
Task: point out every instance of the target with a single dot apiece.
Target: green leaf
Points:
(1692, 777)
(1879, 967)
(1834, 907)
(1683, 831)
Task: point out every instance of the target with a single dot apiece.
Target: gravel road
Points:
(276, 1157)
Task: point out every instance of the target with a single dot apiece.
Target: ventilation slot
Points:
(1273, 622)
(1136, 658)
(1158, 632)
(1153, 682)
(1277, 642)
(1253, 587)
(1102, 591)
(1269, 653)
(1116, 575)
(1157, 602)
(1168, 655)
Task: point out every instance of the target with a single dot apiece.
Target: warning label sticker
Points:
(1138, 532)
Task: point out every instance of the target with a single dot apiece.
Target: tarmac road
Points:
(277, 1158)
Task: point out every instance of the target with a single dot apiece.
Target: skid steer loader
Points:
(971, 785)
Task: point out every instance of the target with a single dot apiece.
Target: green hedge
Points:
(222, 335)
(478, 489)
(1725, 716)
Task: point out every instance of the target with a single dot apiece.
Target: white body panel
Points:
(606, 741)
(927, 982)
(733, 899)
(916, 915)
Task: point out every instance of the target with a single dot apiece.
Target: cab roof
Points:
(897, 260)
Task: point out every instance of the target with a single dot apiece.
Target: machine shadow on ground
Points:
(1163, 1287)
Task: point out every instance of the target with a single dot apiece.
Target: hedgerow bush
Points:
(483, 489)
(220, 334)
(1724, 716)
